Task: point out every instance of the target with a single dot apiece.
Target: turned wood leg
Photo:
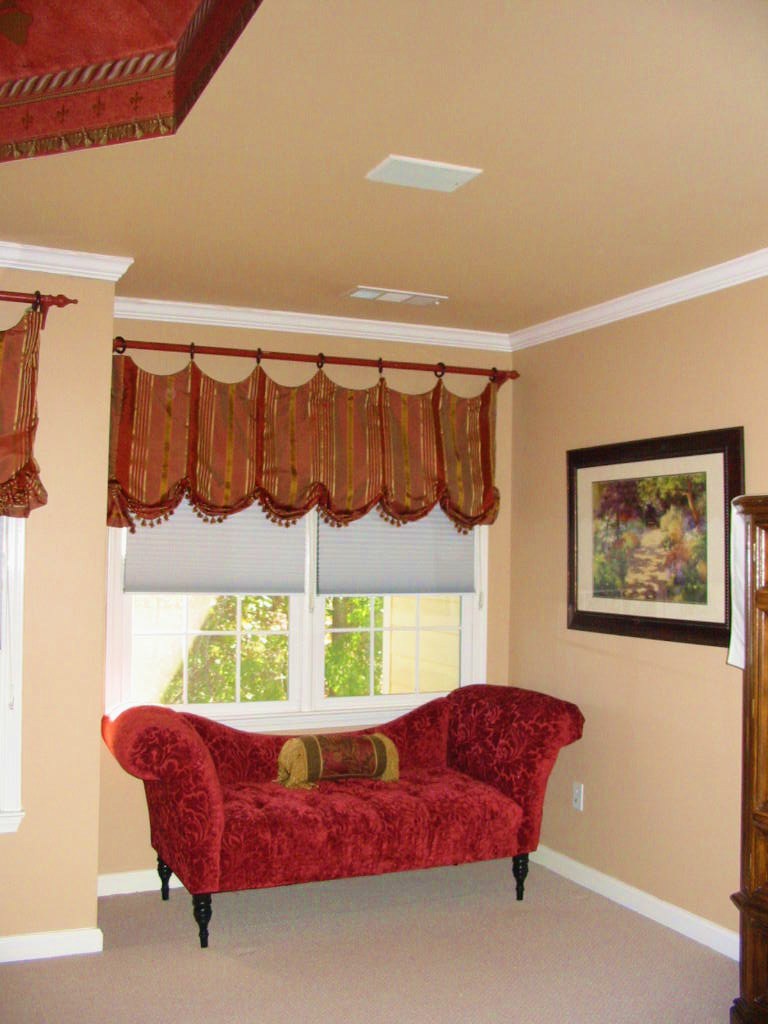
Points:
(201, 908)
(520, 871)
(165, 876)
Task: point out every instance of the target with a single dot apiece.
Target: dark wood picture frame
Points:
(715, 460)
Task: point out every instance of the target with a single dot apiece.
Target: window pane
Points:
(347, 612)
(158, 613)
(403, 611)
(264, 612)
(156, 669)
(347, 664)
(442, 611)
(378, 612)
(211, 669)
(439, 661)
(264, 668)
(212, 612)
(402, 662)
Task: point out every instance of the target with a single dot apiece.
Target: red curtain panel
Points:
(21, 490)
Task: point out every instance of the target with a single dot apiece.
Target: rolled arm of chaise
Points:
(184, 799)
(510, 738)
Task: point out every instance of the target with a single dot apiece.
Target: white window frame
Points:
(11, 643)
(307, 706)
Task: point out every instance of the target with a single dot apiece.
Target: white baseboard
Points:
(42, 945)
(715, 936)
(121, 883)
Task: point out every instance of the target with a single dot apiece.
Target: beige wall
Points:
(660, 758)
(48, 867)
(124, 833)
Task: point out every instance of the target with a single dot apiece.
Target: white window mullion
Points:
(371, 649)
(417, 647)
(313, 634)
(185, 655)
(238, 644)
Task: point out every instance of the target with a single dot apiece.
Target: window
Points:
(11, 610)
(282, 628)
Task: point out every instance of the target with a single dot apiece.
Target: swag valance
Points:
(21, 490)
(345, 451)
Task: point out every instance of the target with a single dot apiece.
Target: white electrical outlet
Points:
(578, 796)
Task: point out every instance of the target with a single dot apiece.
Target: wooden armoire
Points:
(752, 898)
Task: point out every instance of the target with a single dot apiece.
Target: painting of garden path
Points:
(650, 538)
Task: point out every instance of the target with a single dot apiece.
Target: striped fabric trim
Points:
(344, 451)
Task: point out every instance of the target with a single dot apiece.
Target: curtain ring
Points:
(320, 361)
(192, 351)
(440, 370)
(494, 375)
(119, 345)
(258, 356)
(381, 365)
(37, 305)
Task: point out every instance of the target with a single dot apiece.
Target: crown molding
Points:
(111, 268)
(679, 289)
(305, 323)
(63, 261)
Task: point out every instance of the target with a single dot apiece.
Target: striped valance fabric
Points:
(344, 451)
(20, 488)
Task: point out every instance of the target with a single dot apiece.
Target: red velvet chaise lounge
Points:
(473, 773)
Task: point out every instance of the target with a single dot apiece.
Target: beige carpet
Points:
(450, 945)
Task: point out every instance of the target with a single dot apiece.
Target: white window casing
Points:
(11, 641)
(307, 706)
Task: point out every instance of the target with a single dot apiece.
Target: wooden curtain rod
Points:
(37, 301)
(120, 345)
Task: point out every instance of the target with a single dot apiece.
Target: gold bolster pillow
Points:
(304, 760)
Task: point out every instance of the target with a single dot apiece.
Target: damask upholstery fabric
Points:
(344, 451)
(21, 489)
(510, 738)
(421, 735)
(471, 787)
(361, 827)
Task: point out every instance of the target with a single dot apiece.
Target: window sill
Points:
(10, 821)
(292, 720)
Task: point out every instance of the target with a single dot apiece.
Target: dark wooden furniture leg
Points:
(201, 908)
(520, 871)
(165, 876)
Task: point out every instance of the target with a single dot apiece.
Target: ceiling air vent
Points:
(414, 173)
(364, 291)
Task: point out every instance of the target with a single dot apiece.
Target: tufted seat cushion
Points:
(431, 817)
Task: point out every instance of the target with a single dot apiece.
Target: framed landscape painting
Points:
(648, 536)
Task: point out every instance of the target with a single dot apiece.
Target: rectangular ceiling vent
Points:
(412, 172)
(364, 291)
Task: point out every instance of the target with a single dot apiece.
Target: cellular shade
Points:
(244, 554)
(370, 556)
